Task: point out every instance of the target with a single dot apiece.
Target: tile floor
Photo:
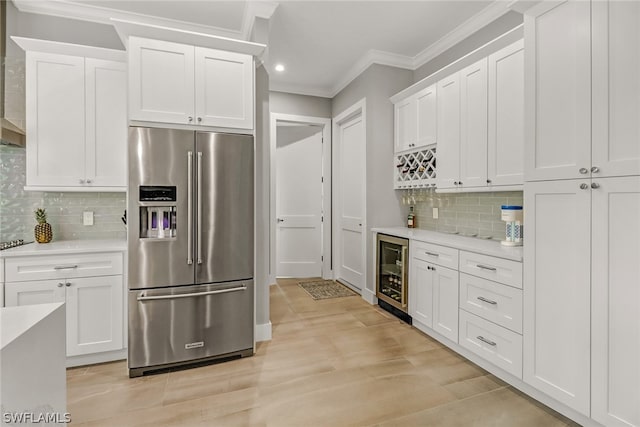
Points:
(331, 362)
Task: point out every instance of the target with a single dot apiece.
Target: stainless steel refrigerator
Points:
(190, 247)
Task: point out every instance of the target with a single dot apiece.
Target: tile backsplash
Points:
(64, 210)
(465, 213)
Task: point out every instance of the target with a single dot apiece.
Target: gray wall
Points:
(301, 105)
(479, 38)
(57, 29)
(377, 83)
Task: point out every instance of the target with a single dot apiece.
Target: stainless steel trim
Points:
(195, 294)
(189, 208)
(199, 207)
(404, 243)
(488, 301)
(405, 288)
(65, 267)
(432, 254)
(486, 341)
(484, 267)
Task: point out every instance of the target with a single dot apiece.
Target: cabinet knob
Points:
(190, 119)
(67, 284)
(60, 284)
(583, 170)
(595, 169)
(583, 186)
(459, 182)
(455, 182)
(81, 181)
(488, 181)
(89, 181)
(595, 185)
(199, 119)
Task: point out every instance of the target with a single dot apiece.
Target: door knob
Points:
(583, 186)
(595, 185)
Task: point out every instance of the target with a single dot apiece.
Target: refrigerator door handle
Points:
(199, 207)
(190, 208)
(194, 294)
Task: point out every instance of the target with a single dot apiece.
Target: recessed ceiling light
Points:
(279, 68)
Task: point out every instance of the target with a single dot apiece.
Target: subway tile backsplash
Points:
(64, 210)
(465, 213)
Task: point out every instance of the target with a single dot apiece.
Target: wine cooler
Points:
(392, 275)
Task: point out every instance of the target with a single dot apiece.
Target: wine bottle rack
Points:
(415, 169)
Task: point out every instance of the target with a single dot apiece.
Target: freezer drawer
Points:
(183, 324)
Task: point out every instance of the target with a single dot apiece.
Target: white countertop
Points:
(66, 247)
(15, 321)
(471, 244)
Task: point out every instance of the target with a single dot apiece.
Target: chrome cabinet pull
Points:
(189, 208)
(595, 169)
(583, 186)
(194, 294)
(81, 181)
(595, 185)
(199, 207)
(65, 267)
(89, 181)
(486, 341)
(199, 119)
(190, 119)
(583, 170)
(488, 301)
(484, 267)
(432, 254)
(67, 284)
(60, 284)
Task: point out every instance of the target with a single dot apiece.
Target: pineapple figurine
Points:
(42, 231)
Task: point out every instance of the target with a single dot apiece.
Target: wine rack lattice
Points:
(415, 169)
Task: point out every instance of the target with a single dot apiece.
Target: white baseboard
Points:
(263, 332)
(369, 296)
(92, 359)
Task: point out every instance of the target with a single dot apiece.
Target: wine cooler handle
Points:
(189, 208)
(405, 287)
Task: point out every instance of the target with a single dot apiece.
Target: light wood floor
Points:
(331, 363)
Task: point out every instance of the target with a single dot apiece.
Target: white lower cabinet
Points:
(445, 302)
(421, 292)
(94, 304)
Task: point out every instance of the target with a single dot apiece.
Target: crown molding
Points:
(464, 30)
(254, 9)
(103, 15)
(48, 46)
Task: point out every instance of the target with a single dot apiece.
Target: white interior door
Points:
(299, 201)
(350, 188)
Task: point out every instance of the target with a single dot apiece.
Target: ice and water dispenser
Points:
(158, 213)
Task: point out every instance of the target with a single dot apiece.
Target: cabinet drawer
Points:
(62, 266)
(435, 254)
(492, 301)
(494, 343)
(492, 268)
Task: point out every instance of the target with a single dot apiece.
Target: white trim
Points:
(263, 332)
(262, 9)
(48, 46)
(92, 359)
(328, 196)
(357, 109)
(369, 296)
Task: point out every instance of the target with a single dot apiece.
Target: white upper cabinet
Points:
(183, 84)
(473, 125)
(161, 81)
(583, 92)
(76, 122)
(415, 120)
(616, 88)
(426, 113)
(505, 148)
(448, 154)
(406, 131)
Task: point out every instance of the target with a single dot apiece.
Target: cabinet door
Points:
(445, 302)
(557, 291)
(223, 88)
(448, 154)
(55, 120)
(405, 112)
(106, 123)
(34, 292)
(558, 90)
(505, 146)
(421, 292)
(161, 81)
(426, 106)
(616, 302)
(616, 87)
(94, 314)
(473, 125)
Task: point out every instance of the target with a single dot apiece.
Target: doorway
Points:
(349, 163)
(300, 197)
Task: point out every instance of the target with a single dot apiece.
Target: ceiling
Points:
(322, 44)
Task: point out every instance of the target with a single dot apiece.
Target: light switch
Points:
(435, 213)
(87, 218)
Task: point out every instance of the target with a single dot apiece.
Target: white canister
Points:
(514, 229)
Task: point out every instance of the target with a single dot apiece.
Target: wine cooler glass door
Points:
(392, 273)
